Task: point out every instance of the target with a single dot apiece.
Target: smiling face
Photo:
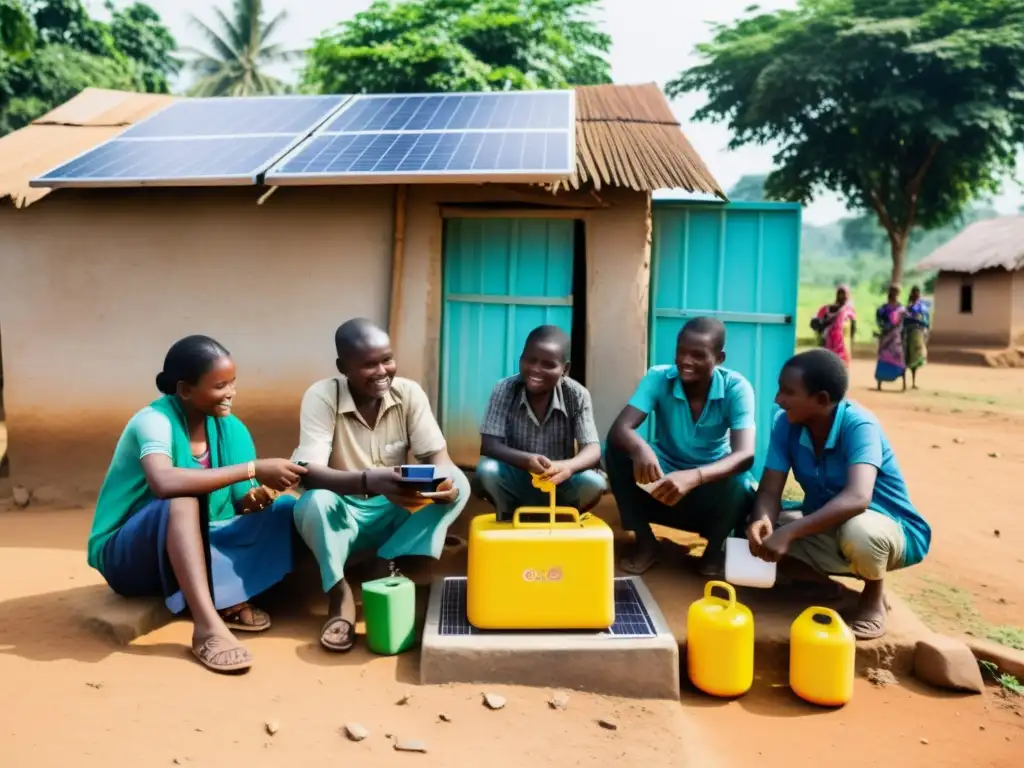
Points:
(696, 357)
(541, 365)
(369, 367)
(214, 392)
(793, 398)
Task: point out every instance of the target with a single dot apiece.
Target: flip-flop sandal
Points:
(214, 651)
(234, 618)
(868, 629)
(330, 627)
(637, 567)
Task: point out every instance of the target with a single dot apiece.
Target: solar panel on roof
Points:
(522, 136)
(632, 619)
(198, 142)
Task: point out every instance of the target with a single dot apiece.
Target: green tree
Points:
(239, 53)
(408, 46)
(909, 109)
(17, 32)
(73, 51)
(140, 34)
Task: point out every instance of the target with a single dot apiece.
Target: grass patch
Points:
(1004, 680)
(941, 606)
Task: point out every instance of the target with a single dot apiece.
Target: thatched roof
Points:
(626, 136)
(990, 244)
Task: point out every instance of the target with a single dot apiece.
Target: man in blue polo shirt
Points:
(856, 517)
(695, 476)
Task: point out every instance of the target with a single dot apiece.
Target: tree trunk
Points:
(898, 250)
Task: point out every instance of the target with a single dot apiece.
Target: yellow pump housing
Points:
(720, 643)
(542, 575)
(822, 655)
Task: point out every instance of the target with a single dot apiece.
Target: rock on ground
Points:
(947, 663)
(356, 732)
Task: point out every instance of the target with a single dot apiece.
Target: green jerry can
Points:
(389, 609)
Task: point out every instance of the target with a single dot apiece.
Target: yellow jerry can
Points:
(720, 643)
(822, 654)
(557, 572)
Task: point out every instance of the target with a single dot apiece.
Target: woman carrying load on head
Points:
(915, 333)
(837, 325)
(892, 363)
(188, 513)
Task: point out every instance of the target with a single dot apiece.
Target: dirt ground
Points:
(73, 699)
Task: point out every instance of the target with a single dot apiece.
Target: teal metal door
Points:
(739, 263)
(502, 278)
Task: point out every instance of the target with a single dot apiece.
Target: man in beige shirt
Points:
(366, 419)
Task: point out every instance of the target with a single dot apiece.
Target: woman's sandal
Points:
(336, 627)
(214, 652)
(235, 618)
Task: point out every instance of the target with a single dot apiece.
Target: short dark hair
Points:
(706, 326)
(355, 334)
(550, 334)
(821, 371)
(187, 360)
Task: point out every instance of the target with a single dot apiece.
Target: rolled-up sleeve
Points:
(495, 423)
(584, 427)
(778, 459)
(317, 418)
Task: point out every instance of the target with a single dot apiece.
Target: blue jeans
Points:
(509, 488)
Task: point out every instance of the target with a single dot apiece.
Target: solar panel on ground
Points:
(631, 617)
(197, 142)
(523, 136)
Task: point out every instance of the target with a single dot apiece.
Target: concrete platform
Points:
(628, 667)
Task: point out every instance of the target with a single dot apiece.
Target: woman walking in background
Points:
(916, 333)
(892, 362)
(837, 325)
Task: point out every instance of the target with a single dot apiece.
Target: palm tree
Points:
(238, 53)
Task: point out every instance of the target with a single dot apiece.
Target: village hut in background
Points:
(979, 292)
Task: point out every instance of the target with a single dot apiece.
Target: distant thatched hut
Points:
(979, 294)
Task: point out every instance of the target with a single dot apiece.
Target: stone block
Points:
(120, 619)
(947, 663)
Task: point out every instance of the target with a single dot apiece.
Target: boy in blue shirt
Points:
(856, 517)
(696, 471)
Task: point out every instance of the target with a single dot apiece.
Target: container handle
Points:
(550, 513)
(817, 612)
(728, 588)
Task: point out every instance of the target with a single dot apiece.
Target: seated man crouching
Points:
(364, 420)
(856, 517)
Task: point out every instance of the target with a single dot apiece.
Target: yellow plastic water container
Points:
(720, 643)
(555, 573)
(822, 653)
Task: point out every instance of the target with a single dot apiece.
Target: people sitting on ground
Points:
(856, 517)
(836, 325)
(891, 363)
(695, 475)
(534, 423)
(915, 333)
(185, 493)
(368, 418)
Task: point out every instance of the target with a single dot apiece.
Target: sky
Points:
(653, 40)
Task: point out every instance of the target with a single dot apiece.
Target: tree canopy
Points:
(408, 46)
(70, 51)
(17, 33)
(909, 109)
(239, 50)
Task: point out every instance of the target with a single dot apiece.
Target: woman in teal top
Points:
(188, 513)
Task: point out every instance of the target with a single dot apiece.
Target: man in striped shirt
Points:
(535, 422)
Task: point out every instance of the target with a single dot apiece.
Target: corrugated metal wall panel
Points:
(739, 263)
(502, 278)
